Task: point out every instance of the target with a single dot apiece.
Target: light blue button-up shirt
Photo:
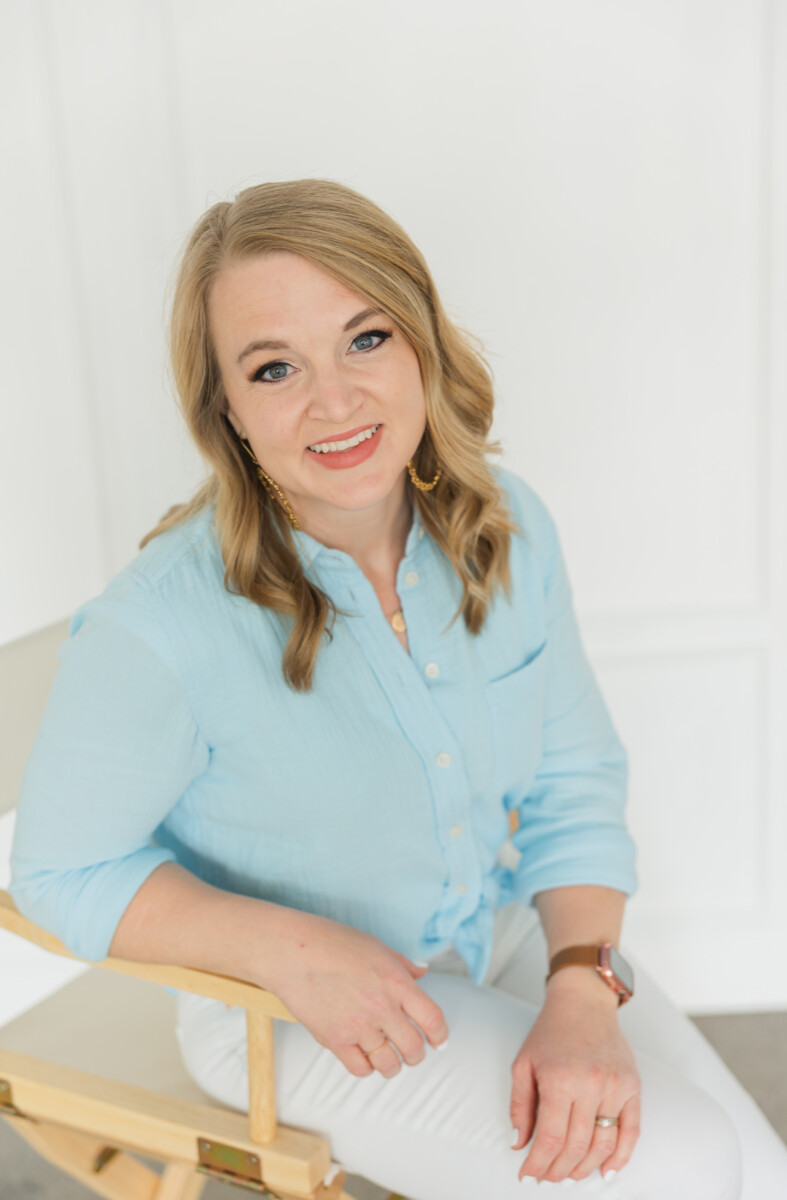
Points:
(380, 799)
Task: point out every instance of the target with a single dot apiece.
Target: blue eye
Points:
(383, 334)
(270, 367)
(370, 333)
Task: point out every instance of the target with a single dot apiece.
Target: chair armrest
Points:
(238, 992)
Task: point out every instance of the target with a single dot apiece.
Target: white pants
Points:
(441, 1130)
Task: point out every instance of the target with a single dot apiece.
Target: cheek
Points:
(416, 383)
(407, 387)
(416, 400)
(276, 427)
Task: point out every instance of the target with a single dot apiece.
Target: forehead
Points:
(265, 294)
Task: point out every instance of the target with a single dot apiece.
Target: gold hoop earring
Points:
(268, 483)
(419, 483)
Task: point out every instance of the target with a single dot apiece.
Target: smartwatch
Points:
(609, 962)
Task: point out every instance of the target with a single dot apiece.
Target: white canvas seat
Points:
(111, 1025)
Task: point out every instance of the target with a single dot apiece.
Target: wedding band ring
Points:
(384, 1042)
(605, 1122)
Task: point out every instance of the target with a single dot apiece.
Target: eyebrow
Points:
(268, 344)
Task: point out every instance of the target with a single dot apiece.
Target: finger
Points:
(428, 1016)
(579, 1137)
(628, 1133)
(602, 1144)
(355, 1061)
(384, 1059)
(414, 967)
(523, 1104)
(406, 1037)
(601, 1141)
(549, 1134)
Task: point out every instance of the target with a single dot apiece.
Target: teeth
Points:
(329, 447)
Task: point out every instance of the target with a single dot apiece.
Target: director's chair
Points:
(120, 1022)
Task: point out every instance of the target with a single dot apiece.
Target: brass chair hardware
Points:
(232, 1165)
(105, 1155)
(7, 1106)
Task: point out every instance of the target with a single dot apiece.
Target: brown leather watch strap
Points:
(583, 956)
(592, 956)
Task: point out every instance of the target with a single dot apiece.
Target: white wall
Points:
(600, 192)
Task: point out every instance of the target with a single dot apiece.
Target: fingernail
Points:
(605, 1175)
(516, 1137)
(418, 962)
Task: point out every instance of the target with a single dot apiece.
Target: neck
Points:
(374, 537)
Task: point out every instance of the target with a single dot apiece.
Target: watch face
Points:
(621, 969)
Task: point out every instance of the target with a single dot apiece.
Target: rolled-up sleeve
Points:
(572, 826)
(115, 749)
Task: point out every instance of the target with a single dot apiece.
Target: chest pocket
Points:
(516, 709)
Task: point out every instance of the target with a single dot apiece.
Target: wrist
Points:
(281, 935)
(585, 983)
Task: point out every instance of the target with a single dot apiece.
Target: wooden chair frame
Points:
(90, 1126)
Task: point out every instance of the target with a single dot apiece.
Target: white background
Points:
(600, 190)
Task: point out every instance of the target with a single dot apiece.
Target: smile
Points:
(333, 447)
(351, 452)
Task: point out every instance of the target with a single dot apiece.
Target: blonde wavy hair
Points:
(350, 238)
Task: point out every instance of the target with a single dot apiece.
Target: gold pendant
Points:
(397, 620)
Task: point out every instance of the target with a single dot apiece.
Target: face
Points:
(303, 363)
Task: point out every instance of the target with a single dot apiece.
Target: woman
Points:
(217, 784)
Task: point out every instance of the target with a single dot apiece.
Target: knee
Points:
(717, 1149)
(688, 1138)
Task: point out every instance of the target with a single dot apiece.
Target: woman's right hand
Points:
(350, 991)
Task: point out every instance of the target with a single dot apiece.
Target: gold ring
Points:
(605, 1122)
(384, 1042)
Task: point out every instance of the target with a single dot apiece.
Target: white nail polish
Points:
(515, 1132)
(608, 1175)
(418, 962)
(442, 1045)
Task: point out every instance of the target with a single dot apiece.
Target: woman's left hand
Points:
(575, 1065)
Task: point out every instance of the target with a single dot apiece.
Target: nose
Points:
(333, 397)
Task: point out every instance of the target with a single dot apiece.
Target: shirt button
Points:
(432, 670)
(460, 889)
(456, 831)
(443, 759)
(411, 578)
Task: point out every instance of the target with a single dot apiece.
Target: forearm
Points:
(177, 919)
(580, 915)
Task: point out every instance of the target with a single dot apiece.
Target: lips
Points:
(360, 451)
(341, 437)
